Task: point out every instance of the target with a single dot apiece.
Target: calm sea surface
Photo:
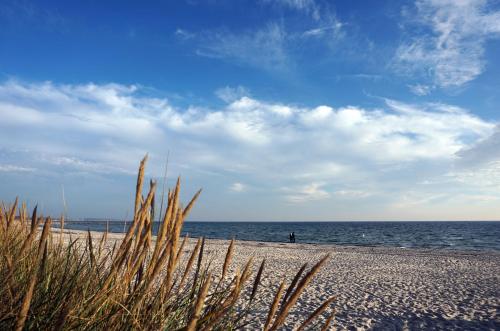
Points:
(437, 235)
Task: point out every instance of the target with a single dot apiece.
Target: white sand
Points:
(378, 288)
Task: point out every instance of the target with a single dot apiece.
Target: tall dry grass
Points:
(48, 283)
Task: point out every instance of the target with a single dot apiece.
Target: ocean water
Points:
(474, 235)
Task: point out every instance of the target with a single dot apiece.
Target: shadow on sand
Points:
(431, 322)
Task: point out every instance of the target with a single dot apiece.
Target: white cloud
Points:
(310, 7)
(238, 187)
(334, 29)
(230, 94)
(15, 168)
(76, 164)
(353, 194)
(415, 199)
(420, 89)
(262, 48)
(184, 34)
(451, 52)
(483, 151)
(405, 132)
(486, 175)
(319, 153)
(276, 46)
(309, 192)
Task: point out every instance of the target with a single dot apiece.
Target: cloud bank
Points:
(395, 155)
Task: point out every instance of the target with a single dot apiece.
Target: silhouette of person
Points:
(292, 237)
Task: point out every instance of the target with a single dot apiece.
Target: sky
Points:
(280, 110)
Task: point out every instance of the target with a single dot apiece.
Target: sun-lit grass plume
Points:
(52, 283)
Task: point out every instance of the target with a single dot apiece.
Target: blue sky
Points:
(278, 109)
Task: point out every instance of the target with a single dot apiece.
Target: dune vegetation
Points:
(52, 282)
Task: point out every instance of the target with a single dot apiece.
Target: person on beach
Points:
(292, 237)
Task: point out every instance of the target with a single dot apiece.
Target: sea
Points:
(463, 235)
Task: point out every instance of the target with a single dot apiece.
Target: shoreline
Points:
(380, 250)
(376, 287)
(487, 251)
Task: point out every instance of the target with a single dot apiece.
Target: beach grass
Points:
(140, 282)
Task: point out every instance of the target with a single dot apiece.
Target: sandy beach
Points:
(376, 288)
